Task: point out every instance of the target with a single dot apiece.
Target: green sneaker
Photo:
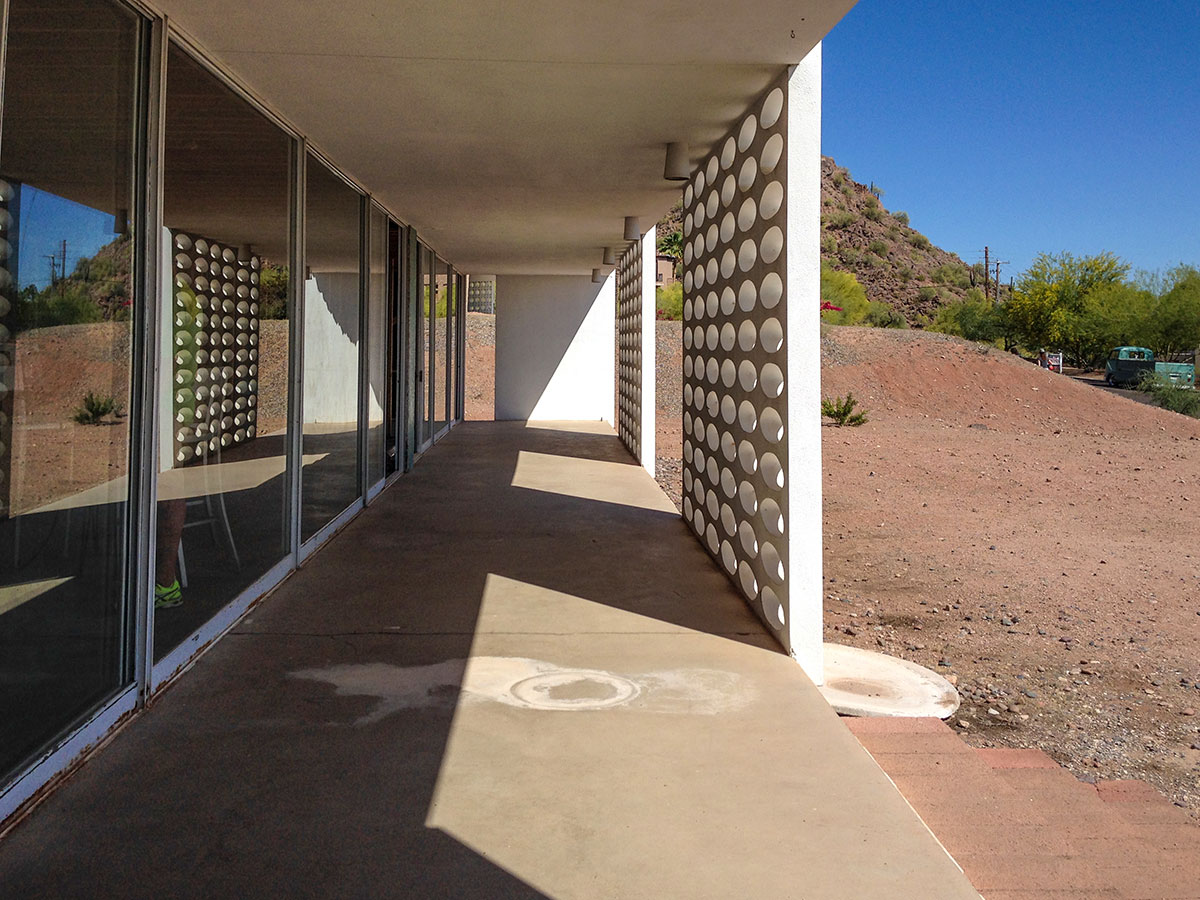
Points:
(166, 597)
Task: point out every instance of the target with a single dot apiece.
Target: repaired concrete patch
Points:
(531, 684)
(865, 683)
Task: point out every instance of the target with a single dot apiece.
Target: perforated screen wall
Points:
(635, 349)
(214, 346)
(735, 390)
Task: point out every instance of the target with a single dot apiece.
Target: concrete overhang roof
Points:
(515, 136)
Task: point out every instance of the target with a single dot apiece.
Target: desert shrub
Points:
(842, 410)
(838, 179)
(843, 291)
(873, 210)
(919, 241)
(973, 318)
(879, 248)
(840, 220)
(94, 408)
(894, 233)
(829, 244)
(901, 217)
(668, 302)
(951, 273)
(876, 191)
(882, 315)
(906, 275)
(849, 256)
(1169, 395)
(927, 292)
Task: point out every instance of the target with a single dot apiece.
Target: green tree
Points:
(1177, 314)
(671, 244)
(1047, 307)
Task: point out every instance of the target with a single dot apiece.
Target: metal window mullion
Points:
(364, 335)
(296, 284)
(148, 247)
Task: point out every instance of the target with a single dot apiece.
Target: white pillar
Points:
(805, 541)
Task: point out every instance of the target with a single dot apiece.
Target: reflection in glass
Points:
(66, 306)
(451, 339)
(441, 396)
(223, 390)
(425, 362)
(377, 340)
(331, 337)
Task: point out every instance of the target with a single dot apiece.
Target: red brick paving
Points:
(1022, 828)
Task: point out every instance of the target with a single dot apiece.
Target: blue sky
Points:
(1025, 126)
(46, 220)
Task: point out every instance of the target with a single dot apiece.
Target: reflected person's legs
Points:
(171, 514)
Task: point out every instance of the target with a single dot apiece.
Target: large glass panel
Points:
(333, 223)
(223, 489)
(425, 364)
(451, 339)
(377, 346)
(441, 397)
(397, 440)
(66, 307)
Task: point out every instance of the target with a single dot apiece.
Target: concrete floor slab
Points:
(515, 675)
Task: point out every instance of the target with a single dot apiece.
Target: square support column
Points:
(752, 362)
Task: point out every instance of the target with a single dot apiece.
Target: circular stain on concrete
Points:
(574, 689)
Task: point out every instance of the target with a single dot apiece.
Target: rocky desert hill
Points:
(895, 263)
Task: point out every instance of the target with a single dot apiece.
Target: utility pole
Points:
(998, 263)
(986, 269)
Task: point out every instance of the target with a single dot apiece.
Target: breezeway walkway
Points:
(514, 675)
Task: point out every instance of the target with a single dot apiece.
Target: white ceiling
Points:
(515, 135)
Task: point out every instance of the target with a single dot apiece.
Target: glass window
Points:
(451, 340)
(428, 345)
(223, 403)
(377, 346)
(331, 335)
(441, 334)
(66, 306)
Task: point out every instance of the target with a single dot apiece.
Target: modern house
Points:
(237, 244)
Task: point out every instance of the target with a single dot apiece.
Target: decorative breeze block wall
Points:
(735, 393)
(635, 350)
(214, 344)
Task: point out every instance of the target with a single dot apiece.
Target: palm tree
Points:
(671, 244)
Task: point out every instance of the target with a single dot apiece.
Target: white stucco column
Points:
(806, 539)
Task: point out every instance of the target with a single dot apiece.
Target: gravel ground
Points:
(1028, 535)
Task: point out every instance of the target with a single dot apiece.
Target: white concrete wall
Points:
(803, 292)
(554, 347)
(331, 348)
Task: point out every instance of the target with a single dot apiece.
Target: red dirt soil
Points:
(1030, 536)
